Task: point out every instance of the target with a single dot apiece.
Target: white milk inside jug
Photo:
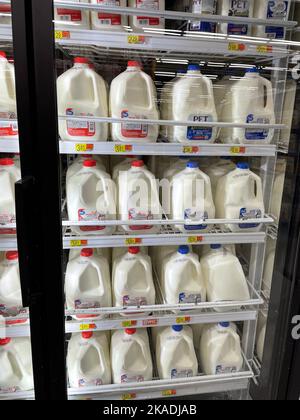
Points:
(191, 199)
(288, 111)
(220, 349)
(109, 21)
(139, 23)
(72, 18)
(197, 332)
(204, 7)
(193, 100)
(98, 252)
(221, 88)
(87, 284)
(5, 14)
(249, 101)
(158, 254)
(139, 199)
(218, 170)
(224, 277)
(119, 252)
(8, 105)
(91, 196)
(271, 10)
(240, 196)
(182, 278)
(81, 92)
(175, 353)
(236, 8)
(15, 364)
(10, 286)
(9, 175)
(132, 281)
(133, 95)
(76, 166)
(269, 266)
(131, 360)
(88, 360)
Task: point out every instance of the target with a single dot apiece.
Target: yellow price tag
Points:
(136, 39)
(190, 150)
(195, 239)
(264, 49)
(236, 47)
(133, 241)
(237, 150)
(81, 148)
(62, 35)
(123, 148)
(183, 320)
(128, 324)
(169, 393)
(128, 397)
(77, 243)
(87, 327)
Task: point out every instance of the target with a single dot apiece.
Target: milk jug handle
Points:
(152, 103)
(209, 89)
(99, 276)
(270, 99)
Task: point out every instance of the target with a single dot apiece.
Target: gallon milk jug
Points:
(175, 353)
(87, 283)
(131, 359)
(71, 18)
(249, 101)
(124, 165)
(139, 23)
(5, 14)
(220, 349)
(82, 92)
(15, 364)
(193, 100)
(8, 106)
(10, 287)
(109, 21)
(98, 252)
(271, 9)
(133, 95)
(88, 360)
(76, 166)
(218, 170)
(158, 254)
(224, 277)
(9, 175)
(132, 280)
(139, 198)
(120, 252)
(204, 7)
(192, 199)
(236, 8)
(182, 278)
(91, 196)
(240, 196)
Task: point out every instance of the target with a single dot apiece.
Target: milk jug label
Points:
(109, 18)
(205, 7)
(255, 133)
(223, 370)
(125, 378)
(148, 4)
(199, 133)
(238, 8)
(194, 216)
(5, 8)
(8, 128)
(276, 10)
(88, 215)
(181, 373)
(134, 130)
(250, 214)
(6, 218)
(95, 382)
(135, 214)
(80, 128)
(86, 304)
(134, 301)
(68, 15)
(190, 298)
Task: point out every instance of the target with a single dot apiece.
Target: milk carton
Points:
(133, 95)
(218, 170)
(9, 175)
(132, 280)
(204, 7)
(236, 8)
(72, 18)
(87, 283)
(81, 92)
(131, 360)
(220, 349)
(271, 10)
(5, 14)
(88, 360)
(109, 21)
(91, 196)
(10, 287)
(191, 199)
(139, 23)
(240, 196)
(193, 100)
(8, 105)
(175, 353)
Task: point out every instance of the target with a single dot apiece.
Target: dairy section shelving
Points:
(162, 52)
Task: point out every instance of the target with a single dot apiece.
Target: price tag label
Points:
(136, 39)
(133, 241)
(82, 148)
(191, 150)
(123, 148)
(169, 393)
(128, 397)
(128, 324)
(236, 47)
(238, 150)
(150, 322)
(195, 239)
(87, 327)
(264, 49)
(77, 243)
(183, 320)
(59, 35)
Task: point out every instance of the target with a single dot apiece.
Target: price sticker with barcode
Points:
(236, 47)
(129, 324)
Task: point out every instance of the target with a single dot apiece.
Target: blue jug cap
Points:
(216, 246)
(184, 250)
(243, 165)
(252, 70)
(224, 324)
(181, 71)
(192, 165)
(194, 67)
(177, 328)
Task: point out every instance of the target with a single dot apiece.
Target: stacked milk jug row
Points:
(188, 195)
(189, 97)
(182, 279)
(125, 357)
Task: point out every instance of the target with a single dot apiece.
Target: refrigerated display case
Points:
(44, 48)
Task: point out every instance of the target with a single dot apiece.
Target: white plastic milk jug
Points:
(81, 92)
(182, 278)
(271, 10)
(76, 166)
(133, 95)
(124, 165)
(131, 359)
(139, 23)
(220, 349)
(249, 101)
(175, 353)
(240, 196)
(221, 88)
(132, 281)
(224, 277)
(158, 254)
(8, 105)
(98, 252)
(197, 332)
(192, 199)
(10, 287)
(5, 14)
(218, 170)
(15, 364)
(236, 8)
(119, 252)
(109, 21)
(193, 100)
(72, 18)
(88, 360)
(91, 196)
(139, 199)
(87, 283)
(9, 175)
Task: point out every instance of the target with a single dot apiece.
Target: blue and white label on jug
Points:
(224, 370)
(250, 214)
(183, 373)
(200, 133)
(238, 8)
(277, 9)
(204, 26)
(192, 298)
(257, 133)
(193, 216)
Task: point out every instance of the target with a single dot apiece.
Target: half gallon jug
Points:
(81, 92)
(236, 8)
(109, 21)
(9, 175)
(271, 10)
(139, 23)
(72, 18)
(8, 105)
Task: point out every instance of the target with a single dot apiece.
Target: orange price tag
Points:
(123, 148)
(82, 148)
(62, 35)
(169, 393)
(264, 49)
(128, 324)
(236, 47)
(195, 239)
(183, 320)
(238, 150)
(133, 241)
(77, 243)
(136, 39)
(87, 327)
